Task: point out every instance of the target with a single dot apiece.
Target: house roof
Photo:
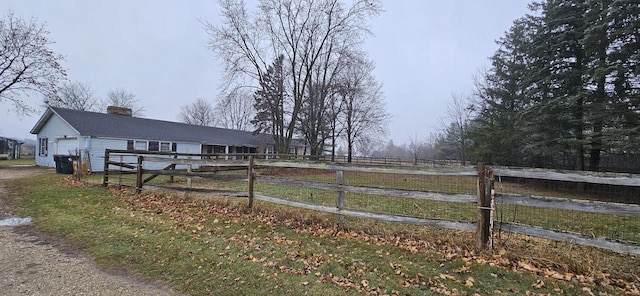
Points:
(126, 127)
(10, 139)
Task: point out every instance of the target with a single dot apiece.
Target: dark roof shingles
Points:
(127, 127)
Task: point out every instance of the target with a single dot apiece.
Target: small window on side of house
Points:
(174, 147)
(154, 146)
(165, 146)
(43, 146)
(129, 144)
(140, 145)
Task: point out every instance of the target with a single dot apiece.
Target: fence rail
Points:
(312, 183)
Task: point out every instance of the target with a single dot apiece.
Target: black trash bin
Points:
(64, 164)
(56, 158)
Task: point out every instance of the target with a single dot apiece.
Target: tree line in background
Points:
(562, 90)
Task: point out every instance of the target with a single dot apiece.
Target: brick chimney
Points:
(119, 110)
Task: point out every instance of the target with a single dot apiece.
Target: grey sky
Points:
(424, 51)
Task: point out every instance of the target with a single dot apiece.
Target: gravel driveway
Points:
(32, 263)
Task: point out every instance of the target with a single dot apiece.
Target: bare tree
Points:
(319, 108)
(334, 111)
(199, 112)
(77, 96)
(300, 31)
(455, 125)
(364, 114)
(27, 64)
(235, 110)
(122, 98)
(418, 147)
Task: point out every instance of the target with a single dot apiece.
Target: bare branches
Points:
(77, 96)
(310, 35)
(455, 126)
(235, 110)
(200, 112)
(122, 98)
(27, 64)
(364, 114)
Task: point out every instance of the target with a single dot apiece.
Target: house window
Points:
(140, 145)
(154, 146)
(219, 149)
(292, 150)
(174, 147)
(43, 146)
(151, 145)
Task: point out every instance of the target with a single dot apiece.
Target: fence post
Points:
(79, 167)
(489, 191)
(485, 184)
(340, 193)
(139, 175)
(105, 168)
(189, 177)
(250, 177)
(171, 179)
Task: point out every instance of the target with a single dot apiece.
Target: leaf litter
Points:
(189, 214)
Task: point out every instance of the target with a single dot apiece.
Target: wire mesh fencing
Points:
(587, 208)
(405, 193)
(593, 205)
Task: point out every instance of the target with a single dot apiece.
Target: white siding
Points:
(181, 147)
(97, 148)
(55, 128)
(189, 148)
(99, 145)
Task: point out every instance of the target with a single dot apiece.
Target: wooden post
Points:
(340, 193)
(189, 177)
(105, 175)
(490, 193)
(79, 168)
(483, 232)
(120, 171)
(173, 168)
(139, 175)
(250, 177)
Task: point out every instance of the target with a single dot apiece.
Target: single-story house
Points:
(10, 148)
(88, 134)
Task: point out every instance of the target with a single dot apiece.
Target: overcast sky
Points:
(424, 51)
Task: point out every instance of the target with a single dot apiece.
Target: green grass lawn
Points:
(204, 245)
(21, 161)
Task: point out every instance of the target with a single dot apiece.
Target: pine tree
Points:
(270, 106)
(565, 81)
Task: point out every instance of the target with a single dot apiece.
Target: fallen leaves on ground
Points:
(190, 214)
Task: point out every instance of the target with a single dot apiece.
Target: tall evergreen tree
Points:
(565, 80)
(501, 98)
(270, 107)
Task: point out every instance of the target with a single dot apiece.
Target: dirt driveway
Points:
(32, 263)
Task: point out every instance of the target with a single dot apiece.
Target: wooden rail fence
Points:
(208, 166)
